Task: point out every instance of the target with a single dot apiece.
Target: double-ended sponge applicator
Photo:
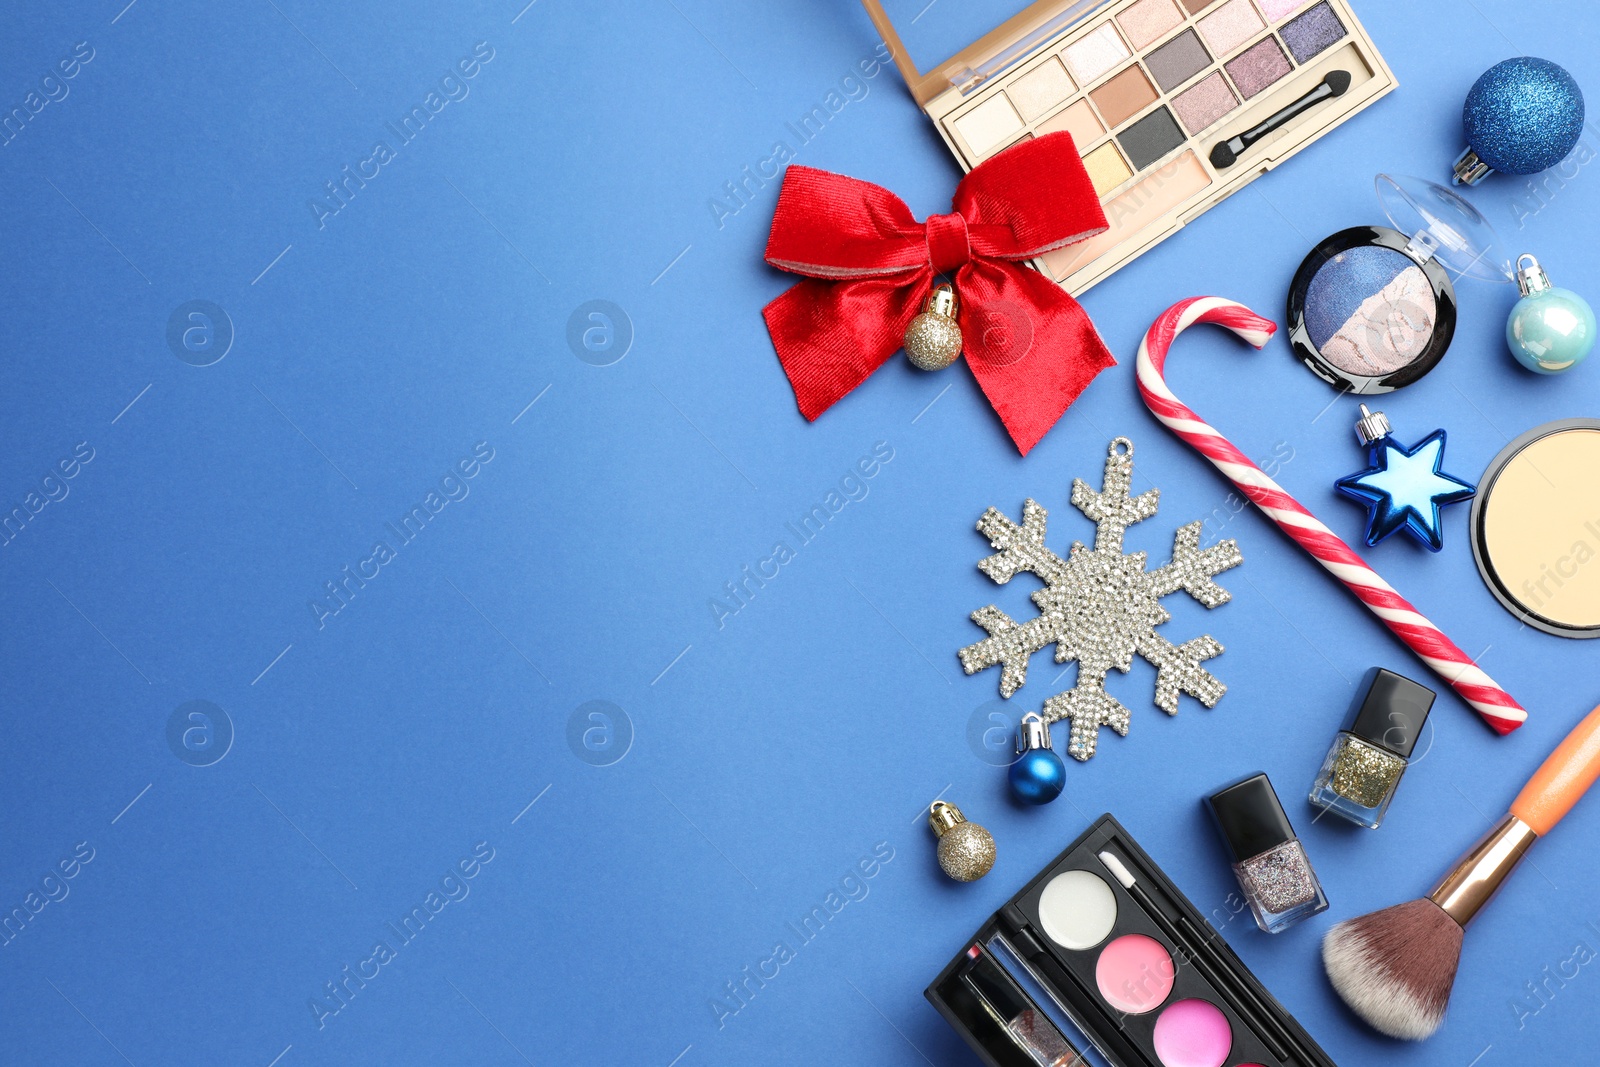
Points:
(1395, 967)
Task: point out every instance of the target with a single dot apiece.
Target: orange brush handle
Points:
(1564, 777)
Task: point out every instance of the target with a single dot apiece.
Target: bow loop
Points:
(869, 266)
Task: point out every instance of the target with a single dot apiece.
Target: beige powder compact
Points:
(1536, 527)
(1173, 104)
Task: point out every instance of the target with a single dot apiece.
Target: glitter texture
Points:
(1313, 33)
(1258, 67)
(1147, 20)
(1280, 878)
(932, 341)
(966, 852)
(1363, 773)
(1277, 9)
(1096, 53)
(1230, 26)
(1523, 115)
(1100, 606)
(1205, 102)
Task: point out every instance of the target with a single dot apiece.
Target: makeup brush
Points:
(1395, 967)
(1224, 153)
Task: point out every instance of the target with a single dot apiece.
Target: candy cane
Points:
(1496, 706)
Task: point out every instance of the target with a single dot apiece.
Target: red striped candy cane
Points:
(1496, 706)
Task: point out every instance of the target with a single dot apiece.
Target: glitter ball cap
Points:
(1523, 115)
(966, 852)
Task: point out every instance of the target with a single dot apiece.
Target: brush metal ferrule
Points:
(1476, 878)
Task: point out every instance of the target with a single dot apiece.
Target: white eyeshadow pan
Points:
(1096, 53)
(1077, 910)
(989, 125)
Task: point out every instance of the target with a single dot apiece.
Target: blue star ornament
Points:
(1404, 489)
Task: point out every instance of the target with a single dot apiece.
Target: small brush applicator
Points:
(1224, 153)
(1395, 967)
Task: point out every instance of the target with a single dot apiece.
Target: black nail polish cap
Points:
(1250, 818)
(1389, 711)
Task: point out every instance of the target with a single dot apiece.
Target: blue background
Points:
(752, 763)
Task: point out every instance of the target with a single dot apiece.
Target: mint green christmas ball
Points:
(1551, 331)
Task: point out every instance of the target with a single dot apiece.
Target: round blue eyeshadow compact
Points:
(1372, 308)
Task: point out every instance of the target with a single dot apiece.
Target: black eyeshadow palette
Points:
(1100, 959)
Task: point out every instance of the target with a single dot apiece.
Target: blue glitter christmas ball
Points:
(1523, 115)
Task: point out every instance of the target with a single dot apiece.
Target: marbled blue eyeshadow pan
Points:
(1370, 310)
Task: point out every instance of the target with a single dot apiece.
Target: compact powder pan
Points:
(1536, 527)
(1371, 308)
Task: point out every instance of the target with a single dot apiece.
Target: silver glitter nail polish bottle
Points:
(1268, 859)
(1367, 758)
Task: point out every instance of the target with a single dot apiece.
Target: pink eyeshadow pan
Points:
(1148, 20)
(1230, 26)
(1277, 9)
(1204, 103)
(1257, 67)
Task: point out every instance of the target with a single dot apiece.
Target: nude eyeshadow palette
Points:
(1150, 91)
(1100, 961)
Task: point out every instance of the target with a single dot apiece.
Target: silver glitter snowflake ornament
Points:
(1100, 606)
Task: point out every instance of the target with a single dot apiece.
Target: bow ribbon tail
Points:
(830, 336)
(1032, 347)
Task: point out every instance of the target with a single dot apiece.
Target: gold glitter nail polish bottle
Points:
(1268, 859)
(1363, 768)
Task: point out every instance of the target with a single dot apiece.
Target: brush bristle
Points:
(1395, 967)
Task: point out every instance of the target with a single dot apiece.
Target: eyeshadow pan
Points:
(1178, 60)
(1095, 53)
(1205, 102)
(1135, 974)
(1041, 89)
(1149, 198)
(1193, 1033)
(1230, 26)
(1150, 138)
(1147, 20)
(1257, 67)
(1078, 120)
(1077, 909)
(1370, 310)
(1278, 9)
(1313, 33)
(1124, 96)
(991, 124)
(1197, 6)
(1106, 168)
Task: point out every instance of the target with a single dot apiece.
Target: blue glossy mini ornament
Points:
(1522, 116)
(1403, 488)
(1038, 775)
(1550, 330)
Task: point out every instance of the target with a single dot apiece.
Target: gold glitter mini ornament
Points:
(966, 850)
(933, 340)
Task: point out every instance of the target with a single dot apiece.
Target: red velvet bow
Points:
(870, 265)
